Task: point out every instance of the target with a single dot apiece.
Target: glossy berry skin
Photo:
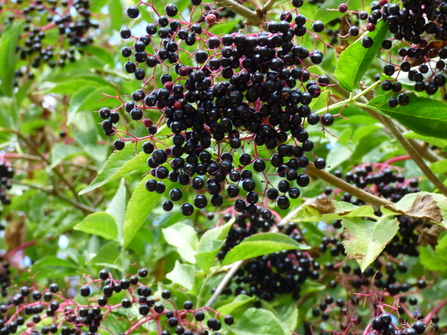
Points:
(85, 291)
(354, 31)
(187, 305)
(199, 316)
(367, 42)
(166, 294)
(343, 8)
(171, 10)
(320, 163)
(229, 320)
(318, 26)
(119, 144)
(143, 272)
(133, 12)
(419, 327)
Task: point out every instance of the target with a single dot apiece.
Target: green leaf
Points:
(184, 237)
(52, 261)
(338, 155)
(101, 224)
(52, 267)
(356, 60)
(77, 100)
(424, 116)
(322, 101)
(8, 59)
(117, 208)
(432, 140)
(431, 259)
(119, 164)
(364, 240)
(116, 14)
(210, 245)
(257, 322)
(329, 210)
(72, 84)
(183, 275)
(87, 98)
(239, 301)
(139, 207)
(223, 28)
(108, 254)
(261, 244)
(61, 151)
(289, 316)
(326, 16)
(97, 5)
(439, 167)
(423, 205)
(102, 56)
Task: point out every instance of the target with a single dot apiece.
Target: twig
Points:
(38, 153)
(237, 265)
(230, 274)
(268, 5)
(84, 208)
(355, 191)
(414, 155)
(252, 17)
(416, 144)
(13, 155)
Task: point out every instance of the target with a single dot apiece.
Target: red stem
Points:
(435, 310)
(20, 247)
(397, 159)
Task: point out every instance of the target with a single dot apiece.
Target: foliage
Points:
(343, 224)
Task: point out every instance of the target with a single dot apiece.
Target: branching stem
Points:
(411, 151)
(355, 191)
(86, 209)
(43, 158)
(252, 17)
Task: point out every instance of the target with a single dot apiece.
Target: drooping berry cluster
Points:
(237, 104)
(40, 22)
(43, 311)
(378, 179)
(274, 274)
(419, 27)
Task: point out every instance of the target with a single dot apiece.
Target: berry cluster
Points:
(6, 173)
(43, 311)
(378, 179)
(42, 20)
(5, 275)
(383, 323)
(278, 273)
(241, 107)
(420, 27)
